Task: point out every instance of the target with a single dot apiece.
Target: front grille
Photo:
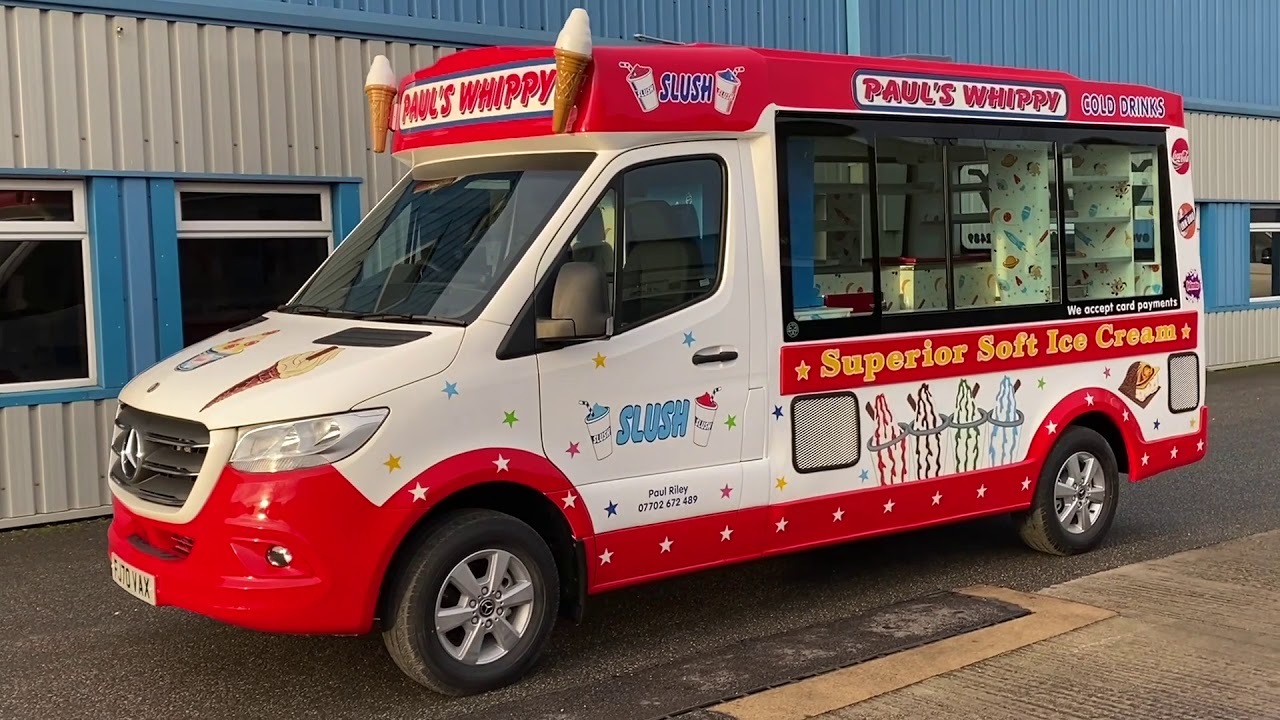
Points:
(157, 458)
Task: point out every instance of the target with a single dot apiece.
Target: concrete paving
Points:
(1193, 635)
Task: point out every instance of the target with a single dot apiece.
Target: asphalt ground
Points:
(72, 645)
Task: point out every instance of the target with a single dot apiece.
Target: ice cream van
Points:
(641, 310)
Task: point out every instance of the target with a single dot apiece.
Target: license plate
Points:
(135, 582)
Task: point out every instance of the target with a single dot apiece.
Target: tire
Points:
(1040, 526)
(425, 580)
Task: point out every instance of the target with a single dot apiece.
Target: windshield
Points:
(434, 250)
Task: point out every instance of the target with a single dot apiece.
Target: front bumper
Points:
(216, 564)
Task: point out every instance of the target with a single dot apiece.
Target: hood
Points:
(281, 367)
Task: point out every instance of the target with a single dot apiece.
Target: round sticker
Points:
(1187, 220)
(1180, 155)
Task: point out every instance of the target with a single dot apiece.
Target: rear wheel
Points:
(1076, 496)
(474, 607)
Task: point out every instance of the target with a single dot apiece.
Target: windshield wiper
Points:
(410, 317)
(320, 310)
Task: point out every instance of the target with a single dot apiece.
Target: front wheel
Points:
(474, 607)
(1076, 496)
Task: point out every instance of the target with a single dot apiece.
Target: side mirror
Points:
(579, 305)
(1266, 256)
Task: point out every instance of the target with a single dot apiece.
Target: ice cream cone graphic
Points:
(599, 429)
(704, 417)
(380, 88)
(231, 347)
(289, 367)
(573, 56)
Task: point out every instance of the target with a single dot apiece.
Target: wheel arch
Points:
(1097, 409)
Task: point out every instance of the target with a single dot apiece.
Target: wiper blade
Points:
(410, 317)
(320, 310)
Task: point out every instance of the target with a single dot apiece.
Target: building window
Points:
(46, 341)
(245, 249)
(1264, 242)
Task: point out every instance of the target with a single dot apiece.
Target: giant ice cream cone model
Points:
(285, 368)
(573, 56)
(380, 88)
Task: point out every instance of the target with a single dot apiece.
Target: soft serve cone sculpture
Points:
(573, 56)
(380, 88)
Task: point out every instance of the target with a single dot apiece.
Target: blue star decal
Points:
(864, 475)
(777, 411)
(612, 508)
(1157, 424)
(688, 339)
(450, 389)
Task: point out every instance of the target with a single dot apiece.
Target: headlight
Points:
(304, 443)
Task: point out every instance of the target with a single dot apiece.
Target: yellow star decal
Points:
(599, 360)
(1193, 423)
(392, 463)
(782, 483)
(1186, 332)
(802, 371)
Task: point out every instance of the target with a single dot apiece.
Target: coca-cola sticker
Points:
(1180, 154)
(1187, 220)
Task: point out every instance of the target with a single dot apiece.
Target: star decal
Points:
(510, 420)
(1173, 453)
(937, 498)
(573, 449)
(777, 412)
(1026, 483)
(665, 545)
(1106, 372)
(726, 533)
(570, 500)
(418, 492)
(726, 491)
(1200, 446)
(392, 463)
(1040, 382)
(450, 389)
(1125, 415)
(606, 557)
(1088, 397)
(599, 360)
(782, 483)
(864, 475)
(1157, 423)
(1052, 427)
(982, 491)
(888, 507)
(802, 371)
(502, 463)
(688, 339)
(781, 525)
(838, 515)
(731, 422)
(1193, 423)
(1145, 458)
(1186, 332)
(611, 508)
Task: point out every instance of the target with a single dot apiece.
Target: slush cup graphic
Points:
(599, 429)
(642, 84)
(704, 417)
(727, 84)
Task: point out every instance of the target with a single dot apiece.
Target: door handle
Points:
(714, 355)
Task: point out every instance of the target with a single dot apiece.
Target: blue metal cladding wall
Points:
(1211, 51)
(1224, 251)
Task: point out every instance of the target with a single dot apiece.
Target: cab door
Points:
(648, 422)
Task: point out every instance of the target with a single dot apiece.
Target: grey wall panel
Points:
(155, 95)
(1234, 158)
(53, 461)
(1242, 337)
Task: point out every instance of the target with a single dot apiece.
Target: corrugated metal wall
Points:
(1224, 240)
(1235, 158)
(53, 461)
(177, 97)
(1242, 337)
(789, 24)
(1203, 49)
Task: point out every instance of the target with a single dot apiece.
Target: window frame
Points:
(77, 231)
(1262, 226)
(220, 229)
(868, 128)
